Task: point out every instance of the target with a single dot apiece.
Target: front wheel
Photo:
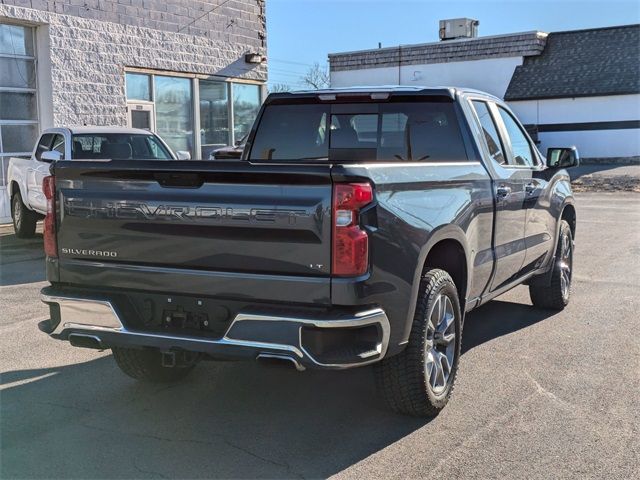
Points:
(419, 380)
(556, 295)
(24, 220)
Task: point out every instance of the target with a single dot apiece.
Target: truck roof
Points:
(89, 129)
(447, 91)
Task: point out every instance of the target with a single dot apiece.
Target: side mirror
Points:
(51, 156)
(183, 155)
(563, 157)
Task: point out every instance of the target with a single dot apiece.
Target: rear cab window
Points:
(422, 130)
(118, 146)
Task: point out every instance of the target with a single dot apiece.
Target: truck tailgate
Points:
(217, 227)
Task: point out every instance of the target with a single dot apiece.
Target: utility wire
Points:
(271, 59)
(201, 16)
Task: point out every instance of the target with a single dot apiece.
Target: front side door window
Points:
(522, 153)
(44, 145)
(510, 217)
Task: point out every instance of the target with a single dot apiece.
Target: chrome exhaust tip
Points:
(279, 360)
(85, 341)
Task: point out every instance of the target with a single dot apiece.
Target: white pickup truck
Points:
(25, 175)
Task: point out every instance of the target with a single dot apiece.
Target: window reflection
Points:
(174, 118)
(138, 86)
(246, 102)
(214, 116)
(16, 40)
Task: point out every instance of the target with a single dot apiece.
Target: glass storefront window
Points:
(138, 86)
(17, 72)
(18, 105)
(18, 138)
(246, 103)
(174, 116)
(16, 40)
(166, 104)
(214, 116)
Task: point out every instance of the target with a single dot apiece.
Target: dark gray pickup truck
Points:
(359, 227)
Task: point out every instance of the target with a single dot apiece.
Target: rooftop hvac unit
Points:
(458, 28)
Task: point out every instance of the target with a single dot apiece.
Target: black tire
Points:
(146, 365)
(556, 295)
(24, 220)
(402, 379)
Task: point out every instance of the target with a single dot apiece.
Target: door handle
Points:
(503, 191)
(530, 188)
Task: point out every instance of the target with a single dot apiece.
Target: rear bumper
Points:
(336, 341)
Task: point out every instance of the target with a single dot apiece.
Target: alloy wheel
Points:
(440, 344)
(17, 213)
(566, 262)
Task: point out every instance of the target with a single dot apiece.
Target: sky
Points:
(301, 32)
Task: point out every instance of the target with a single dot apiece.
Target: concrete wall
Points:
(490, 75)
(604, 143)
(89, 51)
(236, 21)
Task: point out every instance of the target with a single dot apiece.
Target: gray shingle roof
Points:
(600, 61)
(510, 45)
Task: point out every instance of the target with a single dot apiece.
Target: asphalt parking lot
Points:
(539, 394)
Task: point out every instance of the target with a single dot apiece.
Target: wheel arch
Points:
(569, 214)
(14, 187)
(445, 249)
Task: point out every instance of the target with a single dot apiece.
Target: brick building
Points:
(190, 70)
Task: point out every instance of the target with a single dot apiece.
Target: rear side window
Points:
(390, 132)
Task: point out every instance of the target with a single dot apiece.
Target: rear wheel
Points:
(556, 295)
(419, 380)
(24, 220)
(146, 364)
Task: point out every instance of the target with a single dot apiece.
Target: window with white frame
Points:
(222, 112)
(18, 99)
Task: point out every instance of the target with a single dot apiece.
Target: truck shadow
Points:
(498, 318)
(21, 260)
(228, 420)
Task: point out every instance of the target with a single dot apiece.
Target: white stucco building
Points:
(578, 87)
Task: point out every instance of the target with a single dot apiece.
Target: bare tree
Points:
(279, 88)
(317, 77)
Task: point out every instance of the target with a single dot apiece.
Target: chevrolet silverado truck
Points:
(358, 228)
(25, 175)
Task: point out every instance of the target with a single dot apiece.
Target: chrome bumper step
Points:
(96, 322)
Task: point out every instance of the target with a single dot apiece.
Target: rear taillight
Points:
(350, 254)
(50, 243)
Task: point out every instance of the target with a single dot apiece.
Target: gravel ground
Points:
(606, 178)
